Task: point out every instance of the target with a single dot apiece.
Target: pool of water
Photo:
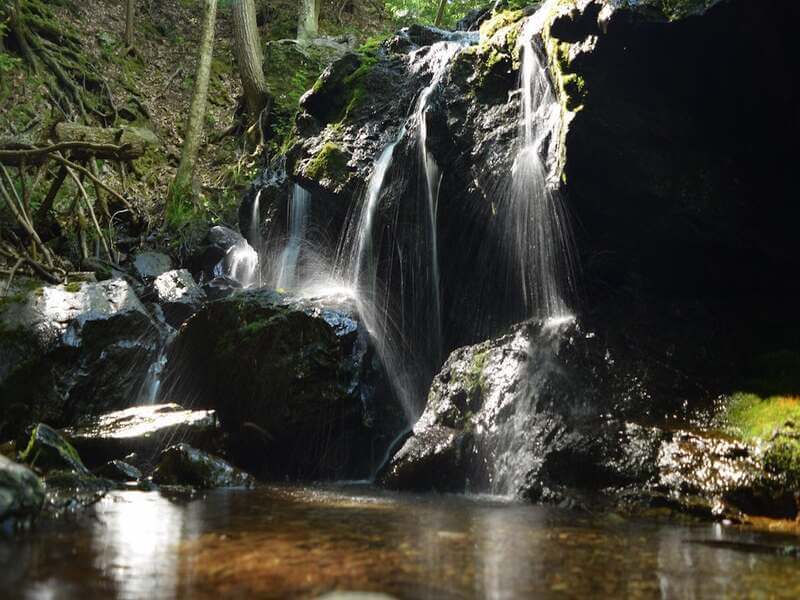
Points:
(284, 542)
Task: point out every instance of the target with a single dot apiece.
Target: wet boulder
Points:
(21, 493)
(183, 465)
(118, 470)
(143, 431)
(221, 287)
(47, 451)
(502, 414)
(295, 383)
(149, 265)
(70, 351)
(178, 295)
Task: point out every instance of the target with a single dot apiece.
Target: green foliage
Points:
(406, 12)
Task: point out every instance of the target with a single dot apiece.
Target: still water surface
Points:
(300, 542)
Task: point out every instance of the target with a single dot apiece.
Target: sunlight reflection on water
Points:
(290, 542)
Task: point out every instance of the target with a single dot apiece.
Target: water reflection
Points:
(294, 542)
(135, 541)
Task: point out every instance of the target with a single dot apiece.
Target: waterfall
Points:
(534, 230)
(287, 277)
(407, 333)
(241, 263)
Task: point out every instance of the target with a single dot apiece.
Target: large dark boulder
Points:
(539, 413)
(67, 352)
(295, 383)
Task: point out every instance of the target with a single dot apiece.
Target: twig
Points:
(91, 213)
(13, 272)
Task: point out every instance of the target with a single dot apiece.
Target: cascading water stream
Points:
(538, 244)
(396, 338)
(538, 239)
(287, 277)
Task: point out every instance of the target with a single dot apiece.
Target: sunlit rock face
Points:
(143, 431)
(543, 413)
(72, 351)
(295, 384)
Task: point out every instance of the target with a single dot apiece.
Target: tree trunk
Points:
(308, 22)
(440, 13)
(197, 111)
(247, 46)
(130, 15)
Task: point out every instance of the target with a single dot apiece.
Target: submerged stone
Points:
(47, 450)
(70, 491)
(183, 465)
(21, 493)
(143, 430)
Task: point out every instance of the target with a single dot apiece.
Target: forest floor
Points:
(151, 88)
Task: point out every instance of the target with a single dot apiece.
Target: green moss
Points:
(498, 21)
(774, 423)
(753, 418)
(475, 379)
(329, 163)
(73, 287)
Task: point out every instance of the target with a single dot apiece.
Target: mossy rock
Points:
(772, 423)
(47, 450)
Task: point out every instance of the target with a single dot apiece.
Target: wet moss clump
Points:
(330, 163)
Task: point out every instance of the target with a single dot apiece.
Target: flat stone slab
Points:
(144, 430)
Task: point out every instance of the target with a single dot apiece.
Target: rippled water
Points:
(292, 542)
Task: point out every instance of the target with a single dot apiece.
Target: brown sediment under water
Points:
(301, 542)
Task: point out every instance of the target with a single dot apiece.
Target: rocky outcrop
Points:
(21, 493)
(295, 383)
(183, 465)
(143, 431)
(70, 351)
(681, 220)
(539, 414)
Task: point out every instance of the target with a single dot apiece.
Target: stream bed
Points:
(283, 542)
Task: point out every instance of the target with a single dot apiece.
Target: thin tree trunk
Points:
(247, 46)
(197, 111)
(440, 13)
(308, 21)
(130, 17)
